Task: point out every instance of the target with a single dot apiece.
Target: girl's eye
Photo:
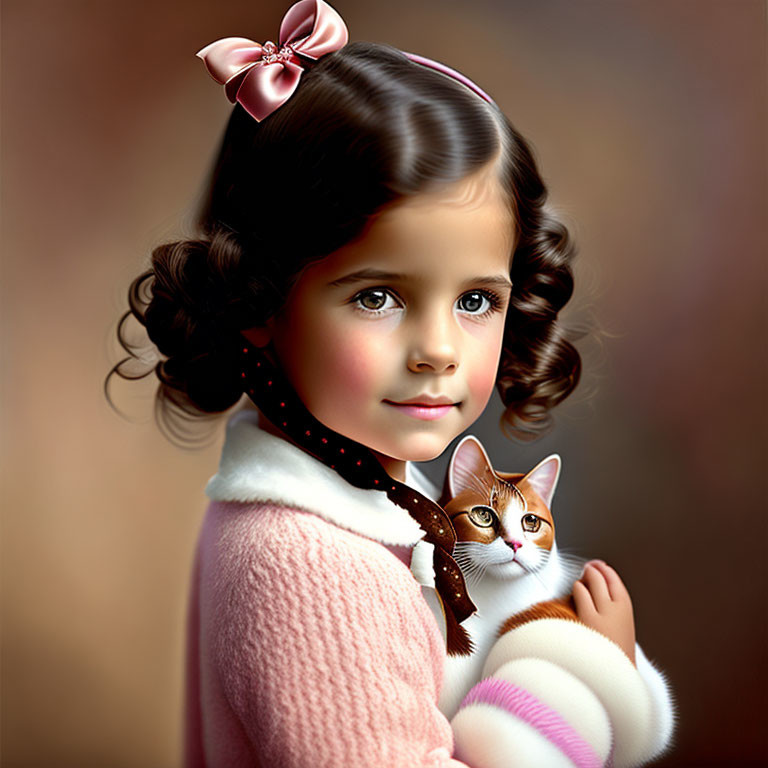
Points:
(374, 300)
(479, 302)
(531, 523)
(482, 516)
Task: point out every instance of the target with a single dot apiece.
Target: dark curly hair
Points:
(365, 128)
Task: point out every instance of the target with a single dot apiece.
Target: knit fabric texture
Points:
(308, 645)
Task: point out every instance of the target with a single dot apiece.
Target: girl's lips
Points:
(422, 410)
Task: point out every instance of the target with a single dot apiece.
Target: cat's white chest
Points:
(496, 601)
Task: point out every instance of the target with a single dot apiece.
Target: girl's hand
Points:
(603, 603)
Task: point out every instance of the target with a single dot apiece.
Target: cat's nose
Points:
(515, 544)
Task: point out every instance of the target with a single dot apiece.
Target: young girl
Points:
(375, 257)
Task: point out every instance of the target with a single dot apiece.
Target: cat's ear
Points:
(469, 467)
(544, 476)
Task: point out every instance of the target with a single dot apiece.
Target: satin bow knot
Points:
(263, 77)
(270, 53)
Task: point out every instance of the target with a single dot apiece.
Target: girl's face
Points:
(394, 339)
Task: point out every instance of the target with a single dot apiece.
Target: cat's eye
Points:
(482, 516)
(531, 523)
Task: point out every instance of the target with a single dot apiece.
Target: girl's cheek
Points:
(482, 380)
(354, 363)
(481, 376)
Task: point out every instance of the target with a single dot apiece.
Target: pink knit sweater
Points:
(301, 661)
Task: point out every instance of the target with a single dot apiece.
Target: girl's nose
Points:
(433, 348)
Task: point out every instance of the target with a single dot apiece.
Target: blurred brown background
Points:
(649, 120)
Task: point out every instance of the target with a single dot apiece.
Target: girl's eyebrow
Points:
(492, 281)
(367, 274)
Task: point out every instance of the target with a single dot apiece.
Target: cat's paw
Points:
(603, 603)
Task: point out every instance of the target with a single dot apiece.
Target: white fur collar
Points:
(258, 466)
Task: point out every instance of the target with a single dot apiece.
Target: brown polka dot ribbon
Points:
(265, 384)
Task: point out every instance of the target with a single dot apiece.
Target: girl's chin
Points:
(426, 451)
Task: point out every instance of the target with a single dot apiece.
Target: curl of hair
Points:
(199, 298)
(539, 365)
(365, 128)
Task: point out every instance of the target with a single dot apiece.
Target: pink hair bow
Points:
(263, 77)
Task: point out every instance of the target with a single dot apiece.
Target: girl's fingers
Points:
(595, 582)
(616, 588)
(582, 599)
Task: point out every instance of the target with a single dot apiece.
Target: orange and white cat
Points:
(514, 571)
(506, 549)
(549, 628)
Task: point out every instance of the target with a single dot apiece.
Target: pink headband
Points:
(446, 70)
(263, 77)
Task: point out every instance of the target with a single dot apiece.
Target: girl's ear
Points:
(259, 335)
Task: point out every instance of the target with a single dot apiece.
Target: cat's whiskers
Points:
(478, 570)
(467, 565)
(572, 564)
(472, 558)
